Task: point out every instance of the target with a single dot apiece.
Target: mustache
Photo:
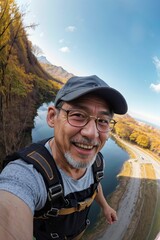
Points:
(86, 141)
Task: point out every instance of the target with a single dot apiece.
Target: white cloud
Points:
(41, 34)
(64, 49)
(61, 40)
(156, 62)
(155, 87)
(70, 28)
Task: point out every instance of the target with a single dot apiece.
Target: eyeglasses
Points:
(79, 118)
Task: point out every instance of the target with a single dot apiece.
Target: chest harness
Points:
(62, 217)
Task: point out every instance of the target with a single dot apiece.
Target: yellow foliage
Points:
(139, 133)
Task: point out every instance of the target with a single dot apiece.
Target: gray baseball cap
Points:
(76, 87)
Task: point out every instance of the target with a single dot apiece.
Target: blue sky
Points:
(118, 40)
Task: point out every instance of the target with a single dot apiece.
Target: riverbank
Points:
(138, 176)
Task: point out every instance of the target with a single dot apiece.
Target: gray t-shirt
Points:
(24, 181)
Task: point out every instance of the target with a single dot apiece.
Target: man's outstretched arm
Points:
(109, 213)
(16, 218)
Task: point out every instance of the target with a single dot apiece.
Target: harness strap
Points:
(98, 168)
(42, 160)
(38, 155)
(81, 206)
(54, 212)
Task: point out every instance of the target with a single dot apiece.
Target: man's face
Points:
(79, 145)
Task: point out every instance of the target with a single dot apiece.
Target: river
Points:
(113, 154)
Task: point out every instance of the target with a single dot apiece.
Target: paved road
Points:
(128, 203)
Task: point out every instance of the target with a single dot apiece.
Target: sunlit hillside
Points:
(141, 134)
(57, 72)
(24, 84)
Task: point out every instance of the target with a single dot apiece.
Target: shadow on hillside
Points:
(16, 125)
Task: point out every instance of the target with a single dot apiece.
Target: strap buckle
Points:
(54, 235)
(53, 212)
(99, 175)
(81, 206)
(55, 192)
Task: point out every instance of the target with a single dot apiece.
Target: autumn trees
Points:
(138, 133)
(23, 82)
(12, 74)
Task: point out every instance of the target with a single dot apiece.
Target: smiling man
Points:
(48, 188)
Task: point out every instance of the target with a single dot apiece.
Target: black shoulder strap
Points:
(38, 155)
(98, 168)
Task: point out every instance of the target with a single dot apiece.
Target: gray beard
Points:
(72, 162)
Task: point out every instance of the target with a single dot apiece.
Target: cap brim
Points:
(115, 99)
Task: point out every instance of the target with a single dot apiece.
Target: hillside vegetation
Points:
(20, 72)
(138, 133)
(24, 84)
(56, 71)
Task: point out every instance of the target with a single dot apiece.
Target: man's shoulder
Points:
(24, 181)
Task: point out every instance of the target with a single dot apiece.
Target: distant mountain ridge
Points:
(43, 59)
(55, 71)
(144, 122)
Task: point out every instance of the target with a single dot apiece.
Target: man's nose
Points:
(90, 129)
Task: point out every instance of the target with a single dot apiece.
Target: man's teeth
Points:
(84, 146)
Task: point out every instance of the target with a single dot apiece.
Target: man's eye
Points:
(77, 115)
(103, 121)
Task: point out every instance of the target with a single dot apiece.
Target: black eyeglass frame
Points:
(88, 119)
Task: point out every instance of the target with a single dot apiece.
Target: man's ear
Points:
(51, 115)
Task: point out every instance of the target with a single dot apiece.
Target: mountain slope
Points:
(55, 71)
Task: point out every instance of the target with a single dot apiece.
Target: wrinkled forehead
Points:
(91, 99)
